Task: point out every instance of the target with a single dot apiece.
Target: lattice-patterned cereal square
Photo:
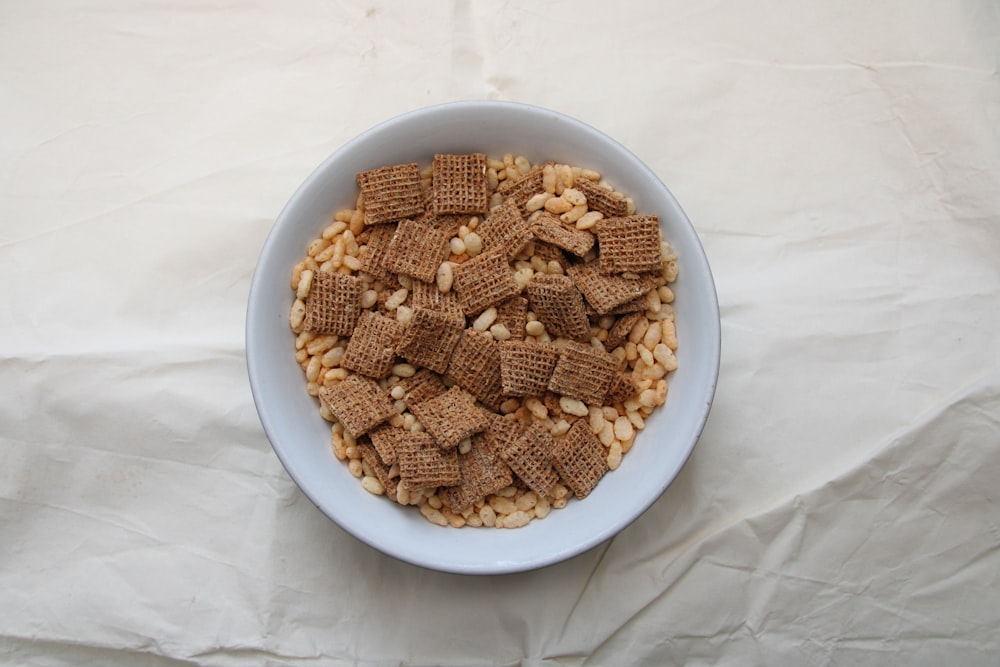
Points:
(384, 438)
(391, 193)
(429, 339)
(580, 459)
(484, 281)
(451, 417)
(427, 295)
(629, 245)
(482, 472)
(358, 403)
(528, 458)
(526, 368)
(371, 350)
(422, 385)
(459, 183)
(504, 230)
(475, 366)
(422, 464)
(333, 304)
(416, 250)
(513, 314)
(520, 190)
(559, 305)
(605, 293)
(601, 199)
(583, 372)
(551, 229)
(374, 249)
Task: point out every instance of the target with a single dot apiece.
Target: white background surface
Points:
(841, 162)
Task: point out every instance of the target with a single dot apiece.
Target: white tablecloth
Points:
(841, 162)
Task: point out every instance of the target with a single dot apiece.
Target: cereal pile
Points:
(486, 336)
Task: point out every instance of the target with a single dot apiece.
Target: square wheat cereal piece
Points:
(583, 372)
(525, 367)
(451, 417)
(551, 229)
(373, 251)
(459, 183)
(427, 295)
(384, 438)
(504, 230)
(504, 430)
(606, 293)
(416, 250)
(601, 199)
(371, 350)
(528, 457)
(580, 459)
(391, 193)
(520, 190)
(475, 367)
(429, 339)
(620, 390)
(422, 464)
(422, 385)
(620, 330)
(358, 403)
(370, 456)
(484, 281)
(482, 472)
(636, 305)
(333, 304)
(513, 314)
(559, 305)
(629, 245)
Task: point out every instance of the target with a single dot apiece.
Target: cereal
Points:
(391, 193)
(486, 336)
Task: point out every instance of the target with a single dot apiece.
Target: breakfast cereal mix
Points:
(486, 336)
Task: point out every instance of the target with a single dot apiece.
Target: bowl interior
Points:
(301, 438)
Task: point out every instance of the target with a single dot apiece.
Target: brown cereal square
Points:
(513, 314)
(629, 245)
(358, 403)
(416, 250)
(583, 372)
(422, 385)
(606, 293)
(384, 438)
(482, 472)
(580, 459)
(620, 389)
(427, 295)
(505, 430)
(504, 230)
(422, 464)
(391, 193)
(372, 459)
(551, 229)
(601, 199)
(451, 417)
(484, 281)
(559, 305)
(520, 190)
(528, 458)
(429, 339)
(475, 366)
(459, 183)
(619, 331)
(526, 368)
(374, 249)
(333, 304)
(371, 350)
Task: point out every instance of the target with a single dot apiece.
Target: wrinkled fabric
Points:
(841, 163)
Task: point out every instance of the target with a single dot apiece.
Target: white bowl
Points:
(301, 438)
